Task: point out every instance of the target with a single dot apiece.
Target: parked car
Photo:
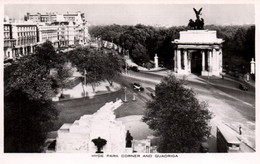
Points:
(138, 87)
(243, 87)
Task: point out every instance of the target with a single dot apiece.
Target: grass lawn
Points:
(71, 110)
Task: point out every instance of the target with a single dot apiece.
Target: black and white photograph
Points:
(120, 80)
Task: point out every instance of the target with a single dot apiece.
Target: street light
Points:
(125, 100)
(85, 81)
(125, 67)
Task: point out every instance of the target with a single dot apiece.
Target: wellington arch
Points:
(199, 52)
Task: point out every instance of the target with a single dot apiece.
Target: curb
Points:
(89, 97)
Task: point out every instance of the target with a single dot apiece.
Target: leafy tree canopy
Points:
(177, 117)
(239, 40)
(29, 112)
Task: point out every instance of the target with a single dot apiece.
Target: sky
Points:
(147, 14)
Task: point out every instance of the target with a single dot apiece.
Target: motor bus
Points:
(227, 140)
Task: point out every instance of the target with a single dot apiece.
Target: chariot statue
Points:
(198, 24)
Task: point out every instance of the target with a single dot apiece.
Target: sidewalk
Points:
(80, 91)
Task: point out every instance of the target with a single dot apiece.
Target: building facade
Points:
(9, 42)
(20, 39)
(63, 30)
(50, 33)
(199, 52)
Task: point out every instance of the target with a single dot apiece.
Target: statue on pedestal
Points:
(198, 13)
(198, 24)
(99, 142)
(129, 139)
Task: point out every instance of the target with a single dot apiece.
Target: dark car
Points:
(243, 87)
(152, 95)
(138, 87)
(135, 68)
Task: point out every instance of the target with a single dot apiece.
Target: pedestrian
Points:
(240, 130)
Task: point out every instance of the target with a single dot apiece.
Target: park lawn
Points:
(71, 110)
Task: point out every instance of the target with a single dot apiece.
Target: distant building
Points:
(55, 17)
(63, 30)
(50, 33)
(19, 39)
(9, 42)
(72, 28)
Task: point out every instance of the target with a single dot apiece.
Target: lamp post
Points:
(85, 80)
(125, 100)
(125, 67)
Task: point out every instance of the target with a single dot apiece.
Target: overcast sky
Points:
(148, 14)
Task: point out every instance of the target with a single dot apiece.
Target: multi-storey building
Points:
(63, 30)
(48, 17)
(26, 36)
(53, 17)
(9, 42)
(19, 39)
(48, 32)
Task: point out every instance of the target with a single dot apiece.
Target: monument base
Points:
(206, 73)
(183, 72)
(214, 73)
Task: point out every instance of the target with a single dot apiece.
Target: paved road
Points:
(226, 107)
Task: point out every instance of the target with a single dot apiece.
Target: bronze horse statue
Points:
(198, 23)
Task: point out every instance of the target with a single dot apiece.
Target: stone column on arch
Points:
(217, 60)
(175, 60)
(210, 65)
(189, 61)
(178, 60)
(203, 60)
(220, 60)
(185, 61)
(214, 62)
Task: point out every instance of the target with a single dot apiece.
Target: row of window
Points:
(6, 28)
(9, 43)
(26, 34)
(47, 37)
(30, 28)
(7, 35)
(26, 41)
(46, 19)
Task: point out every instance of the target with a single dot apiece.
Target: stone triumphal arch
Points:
(198, 51)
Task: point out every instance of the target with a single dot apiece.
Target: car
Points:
(138, 87)
(152, 95)
(135, 68)
(243, 87)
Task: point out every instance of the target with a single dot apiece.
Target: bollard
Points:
(134, 98)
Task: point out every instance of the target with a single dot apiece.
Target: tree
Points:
(46, 55)
(91, 62)
(64, 72)
(179, 120)
(28, 110)
(26, 122)
(31, 78)
(139, 54)
(112, 67)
